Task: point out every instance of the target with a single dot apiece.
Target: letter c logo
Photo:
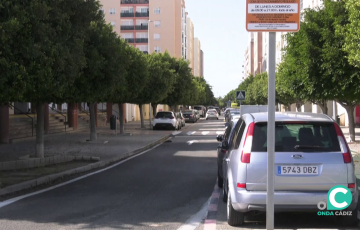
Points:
(332, 198)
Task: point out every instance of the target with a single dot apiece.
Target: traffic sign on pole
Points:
(240, 95)
(273, 16)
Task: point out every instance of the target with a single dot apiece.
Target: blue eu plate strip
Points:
(279, 169)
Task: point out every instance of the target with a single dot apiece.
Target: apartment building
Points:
(197, 60)
(201, 63)
(190, 42)
(249, 57)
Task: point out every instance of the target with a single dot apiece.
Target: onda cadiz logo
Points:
(338, 198)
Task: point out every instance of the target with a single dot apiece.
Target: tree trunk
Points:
(154, 106)
(121, 118)
(141, 115)
(93, 134)
(40, 130)
(350, 111)
(323, 106)
(298, 106)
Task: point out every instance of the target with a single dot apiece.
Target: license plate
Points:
(298, 170)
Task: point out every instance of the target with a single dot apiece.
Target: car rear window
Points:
(188, 112)
(235, 112)
(164, 115)
(292, 137)
(198, 108)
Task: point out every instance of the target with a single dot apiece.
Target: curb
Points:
(52, 177)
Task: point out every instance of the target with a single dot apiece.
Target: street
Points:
(161, 189)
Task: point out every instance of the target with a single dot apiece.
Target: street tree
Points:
(134, 80)
(323, 67)
(160, 81)
(180, 93)
(352, 31)
(104, 71)
(43, 51)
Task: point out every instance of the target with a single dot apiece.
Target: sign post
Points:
(272, 16)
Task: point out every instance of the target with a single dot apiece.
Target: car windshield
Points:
(235, 112)
(290, 137)
(164, 115)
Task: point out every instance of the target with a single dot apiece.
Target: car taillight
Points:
(172, 117)
(191, 115)
(343, 145)
(223, 151)
(352, 185)
(240, 185)
(246, 153)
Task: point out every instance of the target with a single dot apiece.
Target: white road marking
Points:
(191, 132)
(176, 133)
(191, 142)
(205, 132)
(222, 125)
(219, 132)
(194, 221)
(13, 200)
(213, 129)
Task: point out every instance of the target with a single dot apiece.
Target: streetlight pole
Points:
(149, 54)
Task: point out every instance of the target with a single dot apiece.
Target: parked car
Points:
(189, 116)
(165, 119)
(182, 119)
(311, 157)
(201, 109)
(212, 113)
(230, 113)
(224, 141)
(234, 115)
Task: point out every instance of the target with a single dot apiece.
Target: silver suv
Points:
(311, 157)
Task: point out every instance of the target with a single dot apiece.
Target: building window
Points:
(113, 23)
(112, 11)
(182, 50)
(157, 23)
(157, 10)
(157, 36)
(182, 37)
(157, 49)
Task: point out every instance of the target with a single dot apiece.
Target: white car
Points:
(212, 113)
(167, 120)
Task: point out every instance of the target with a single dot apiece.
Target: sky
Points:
(220, 27)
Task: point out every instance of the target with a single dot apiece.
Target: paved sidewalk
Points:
(74, 143)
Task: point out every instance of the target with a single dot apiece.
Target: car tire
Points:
(234, 218)
(154, 128)
(220, 181)
(174, 128)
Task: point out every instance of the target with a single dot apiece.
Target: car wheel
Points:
(234, 218)
(154, 128)
(174, 128)
(220, 181)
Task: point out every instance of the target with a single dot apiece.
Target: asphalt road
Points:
(160, 189)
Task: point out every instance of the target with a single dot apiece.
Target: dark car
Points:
(221, 151)
(189, 116)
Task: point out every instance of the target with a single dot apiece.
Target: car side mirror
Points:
(220, 137)
(226, 124)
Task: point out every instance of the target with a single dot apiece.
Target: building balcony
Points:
(127, 14)
(134, 1)
(127, 27)
(142, 27)
(129, 40)
(141, 40)
(142, 14)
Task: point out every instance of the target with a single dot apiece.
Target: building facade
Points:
(201, 64)
(197, 48)
(190, 42)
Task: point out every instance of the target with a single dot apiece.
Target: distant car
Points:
(189, 116)
(212, 113)
(311, 157)
(230, 113)
(165, 120)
